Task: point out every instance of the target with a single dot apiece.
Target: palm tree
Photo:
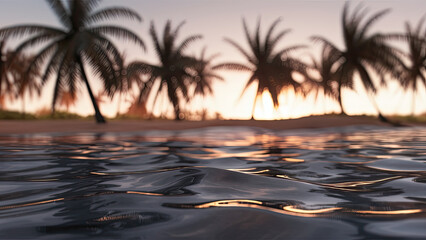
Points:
(362, 53)
(205, 75)
(327, 72)
(416, 71)
(5, 82)
(24, 82)
(126, 84)
(173, 71)
(80, 41)
(271, 69)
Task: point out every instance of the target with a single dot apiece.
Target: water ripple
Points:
(339, 183)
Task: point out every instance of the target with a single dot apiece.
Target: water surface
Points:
(215, 183)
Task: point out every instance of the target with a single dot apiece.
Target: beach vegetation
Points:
(79, 43)
(363, 54)
(271, 69)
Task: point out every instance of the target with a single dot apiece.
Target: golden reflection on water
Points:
(297, 160)
(76, 197)
(228, 203)
(115, 218)
(295, 210)
(395, 212)
(311, 211)
(142, 172)
(249, 170)
(44, 180)
(30, 204)
(216, 153)
(346, 186)
(145, 193)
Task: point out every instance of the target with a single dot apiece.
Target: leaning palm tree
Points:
(271, 69)
(363, 52)
(173, 71)
(416, 71)
(80, 41)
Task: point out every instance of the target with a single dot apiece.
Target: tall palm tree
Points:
(173, 71)
(271, 69)
(363, 52)
(415, 72)
(80, 41)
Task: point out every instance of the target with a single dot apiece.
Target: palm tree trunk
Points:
(380, 115)
(23, 105)
(413, 110)
(98, 116)
(175, 102)
(339, 98)
(177, 111)
(119, 104)
(324, 108)
(254, 107)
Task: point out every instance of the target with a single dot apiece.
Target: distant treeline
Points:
(65, 53)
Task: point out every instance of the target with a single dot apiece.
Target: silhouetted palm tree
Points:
(80, 41)
(125, 85)
(205, 75)
(415, 72)
(5, 82)
(326, 68)
(173, 71)
(24, 82)
(271, 69)
(362, 53)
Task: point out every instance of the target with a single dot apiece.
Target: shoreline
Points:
(8, 127)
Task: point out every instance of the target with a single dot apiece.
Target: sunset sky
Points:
(216, 19)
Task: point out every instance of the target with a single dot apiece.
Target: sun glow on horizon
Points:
(320, 18)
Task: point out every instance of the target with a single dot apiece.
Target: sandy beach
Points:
(83, 126)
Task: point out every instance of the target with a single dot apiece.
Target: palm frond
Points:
(285, 52)
(240, 49)
(23, 30)
(136, 68)
(250, 40)
(177, 29)
(232, 66)
(269, 46)
(118, 32)
(270, 31)
(36, 40)
(113, 13)
(61, 12)
(156, 41)
(41, 56)
(185, 43)
(110, 48)
(53, 64)
(371, 21)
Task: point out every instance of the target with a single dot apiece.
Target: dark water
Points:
(216, 183)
